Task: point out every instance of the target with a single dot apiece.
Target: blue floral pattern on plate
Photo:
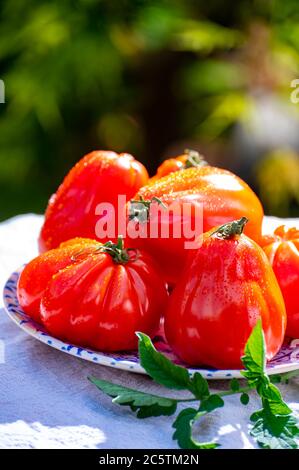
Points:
(286, 360)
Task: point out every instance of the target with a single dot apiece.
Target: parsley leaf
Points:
(234, 385)
(199, 386)
(183, 430)
(144, 403)
(166, 373)
(244, 399)
(272, 431)
(275, 427)
(274, 400)
(254, 358)
(161, 369)
(211, 403)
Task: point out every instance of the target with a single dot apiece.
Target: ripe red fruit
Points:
(228, 284)
(98, 177)
(282, 250)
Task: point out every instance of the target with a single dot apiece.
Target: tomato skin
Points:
(100, 304)
(80, 294)
(225, 288)
(282, 250)
(98, 177)
(223, 196)
(169, 166)
(36, 274)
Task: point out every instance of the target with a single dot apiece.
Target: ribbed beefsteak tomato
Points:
(189, 159)
(99, 177)
(95, 295)
(227, 285)
(282, 250)
(220, 194)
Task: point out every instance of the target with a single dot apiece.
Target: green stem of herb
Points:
(285, 377)
(289, 375)
(231, 392)
(225, 393)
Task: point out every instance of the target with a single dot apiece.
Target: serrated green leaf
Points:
(161, 369)
(124, 395)
(254, 354)
(273, 393)
(145, 404)
(183, 431)
(234, 385)
(200, 386)
(262, 383)
(211, 403)
(156, 410)
(274, 432)
(244, 399)
(274, 425)
(279, 408)
(275, 401)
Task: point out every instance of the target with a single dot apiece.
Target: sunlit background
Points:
(150, 78)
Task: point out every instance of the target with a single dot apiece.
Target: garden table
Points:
(47, 401)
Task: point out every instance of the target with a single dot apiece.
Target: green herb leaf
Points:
(183, 431)
(161, 369)
(254, 357)
(157, 410)
(145, 404)
(275, 401)
(200, 386)
(274, 432)
(275, 378)
(244, 399)
(275, 427)
(234, 385)
(211, 403)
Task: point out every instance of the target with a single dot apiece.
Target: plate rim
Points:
(106, 359)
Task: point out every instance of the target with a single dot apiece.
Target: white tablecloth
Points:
(46, 400)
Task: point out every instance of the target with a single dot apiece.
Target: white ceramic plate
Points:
(286, 360)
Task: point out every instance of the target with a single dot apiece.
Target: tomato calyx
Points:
(194, 159)
(118, 252)
(230, 229)
(139, 210)
(286, 234)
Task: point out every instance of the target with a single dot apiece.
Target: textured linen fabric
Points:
(47, 401)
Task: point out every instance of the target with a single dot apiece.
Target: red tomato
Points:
(227, 285)
(282, 250)
(191, 158)
(99, 177)
(39, 271)
(95, 295)
(221, 194)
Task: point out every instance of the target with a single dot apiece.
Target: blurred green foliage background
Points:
(150, 78)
